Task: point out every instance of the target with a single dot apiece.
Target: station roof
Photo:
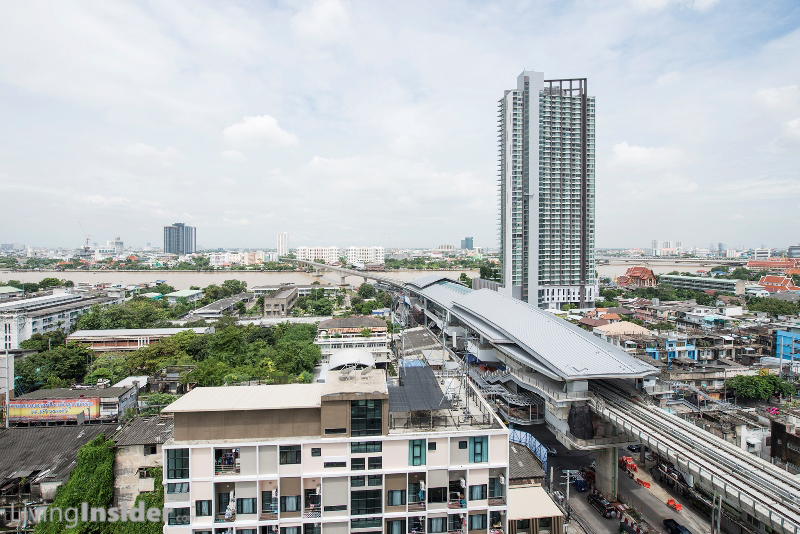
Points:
(444, 292)
(556, 347)
(425, 281)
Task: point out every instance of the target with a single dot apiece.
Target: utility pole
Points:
(9, 381)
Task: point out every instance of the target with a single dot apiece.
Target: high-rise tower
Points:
(547, 191)
(283, 244)
(180, 239)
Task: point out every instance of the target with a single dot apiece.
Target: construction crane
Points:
(87, 235)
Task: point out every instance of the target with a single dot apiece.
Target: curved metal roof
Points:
(351, 357)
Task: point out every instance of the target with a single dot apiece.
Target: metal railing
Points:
(538, 450)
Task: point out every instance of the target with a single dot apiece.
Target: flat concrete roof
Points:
(236, 398)
(528, 502)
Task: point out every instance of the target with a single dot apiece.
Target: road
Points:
(653, 509)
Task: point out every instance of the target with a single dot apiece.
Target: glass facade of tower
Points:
(547, 191)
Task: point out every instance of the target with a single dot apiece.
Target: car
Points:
(551, 450)
(601, 505)
(673, 527)
(580, 484)
(635, 448)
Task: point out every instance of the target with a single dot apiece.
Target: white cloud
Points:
(232, 155)
(669, 78)
(778, 99)
(324, 20)
(792, 130)
(657, 5)
(146, 152)
(626, 155)
(259, 132)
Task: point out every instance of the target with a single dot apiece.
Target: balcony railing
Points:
(311, 511)
(227, 469)
(457, 503)
(220, 518)
(269, 515)
(416, 506)
(497, 501)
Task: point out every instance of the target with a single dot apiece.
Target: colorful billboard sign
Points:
(53, 409)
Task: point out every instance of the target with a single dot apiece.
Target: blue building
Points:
(669, 346)
(787, 343)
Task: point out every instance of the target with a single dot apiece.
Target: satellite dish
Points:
(367, 370)
(344, 374)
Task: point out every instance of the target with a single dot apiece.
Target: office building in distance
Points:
(283, 244)
(180, 239)
(466, 244)
(547, 186)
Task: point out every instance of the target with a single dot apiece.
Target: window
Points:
(375, 462)
(478, 450)
(336, 508)
(416, 524)
(290, 503)
(202, 508)
(177, 463)
(366, 446)
(396, 498)
(246, 506)
(144, 472)
(462, 445)
(437, 495)
(289, 454)
(290, 530)
(367, 522)
(375, 480)
(365, 502)
(523, 524)
(431, 445)
(150, 450)
(455, 522)
(336, 431)
(477, 493)
(437, 524)
(396, 526)
(177, 487)
(334, 464)
(312, 528)
(366, 417)
(495, 488)
(178, 516)
(416, 452)
(245, 531)
(477, 522)
(357, 482)
(358, 464)
(316, 451)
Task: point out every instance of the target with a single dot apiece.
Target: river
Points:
(185, 279)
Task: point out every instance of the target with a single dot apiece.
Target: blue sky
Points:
(359, 123)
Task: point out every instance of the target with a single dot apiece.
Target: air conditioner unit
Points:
(462, 482)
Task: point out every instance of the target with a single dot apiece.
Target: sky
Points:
(374, 123)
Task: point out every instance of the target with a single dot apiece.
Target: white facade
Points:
(547, 192)
(762, 254)
(365, 255)
(283, 244)
(325, 254)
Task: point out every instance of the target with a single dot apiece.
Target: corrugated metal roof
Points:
(443, 292)
(145, 431)
(570, 351)
(425, 281)
(133, 332)
(67, 393)
(220, 399)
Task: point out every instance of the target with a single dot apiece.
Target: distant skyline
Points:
(359, 123)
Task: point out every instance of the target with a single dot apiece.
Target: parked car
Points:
(601, 505)
(635, 448)
(673, 527)
(580, 485)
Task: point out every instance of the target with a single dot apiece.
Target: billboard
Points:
(53, 409)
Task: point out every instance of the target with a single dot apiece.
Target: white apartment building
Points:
(20, 319)
(547, 185)
(356, 454)
(283, 244)
(762, 253)
(324, 254)
(342, 333)
(365, 255)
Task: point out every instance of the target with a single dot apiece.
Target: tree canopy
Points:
(762, 386)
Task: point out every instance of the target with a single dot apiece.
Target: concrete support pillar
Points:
(343, 280)
(365, 279)
(606, 472)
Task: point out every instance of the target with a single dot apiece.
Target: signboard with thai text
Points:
(53, 409)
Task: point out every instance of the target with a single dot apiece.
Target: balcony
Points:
(497, 501)
(269, 515)
(312, 511)
(227, 469)
(416, 506)
(220, 518)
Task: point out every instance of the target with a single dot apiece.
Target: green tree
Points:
(464, 279)
(774, 307)
(366, 332)
(63, 365)
(241, 308)
(762, 386)
(50, 282)
(156, 401)
(45, 341)
(366, 291)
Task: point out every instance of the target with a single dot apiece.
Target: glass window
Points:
(202, 508)
(312, 528)
(177, 487)
(455, 522)
(375, 480)
(177, 463)
(431, 445)
(366, 417)
(495, 488)
(357, 482)
(523, 524)
(334, 464)
(416, 524)
(335, 508)
(357, 447)
(366, 502)
(477, 493)
(478, 449)
(290, 530)
(246, 506)
(437, 524)
(396, 526)
(396, 498)
(269, 502)
(375, 462)
(336, 431)
(367, 522)
(178, 516)
(416, 452)
(316, 451)
(290, 503)
(358, 464)
(289, 454)
(477, 522)
(462, 444)
(437, 495)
